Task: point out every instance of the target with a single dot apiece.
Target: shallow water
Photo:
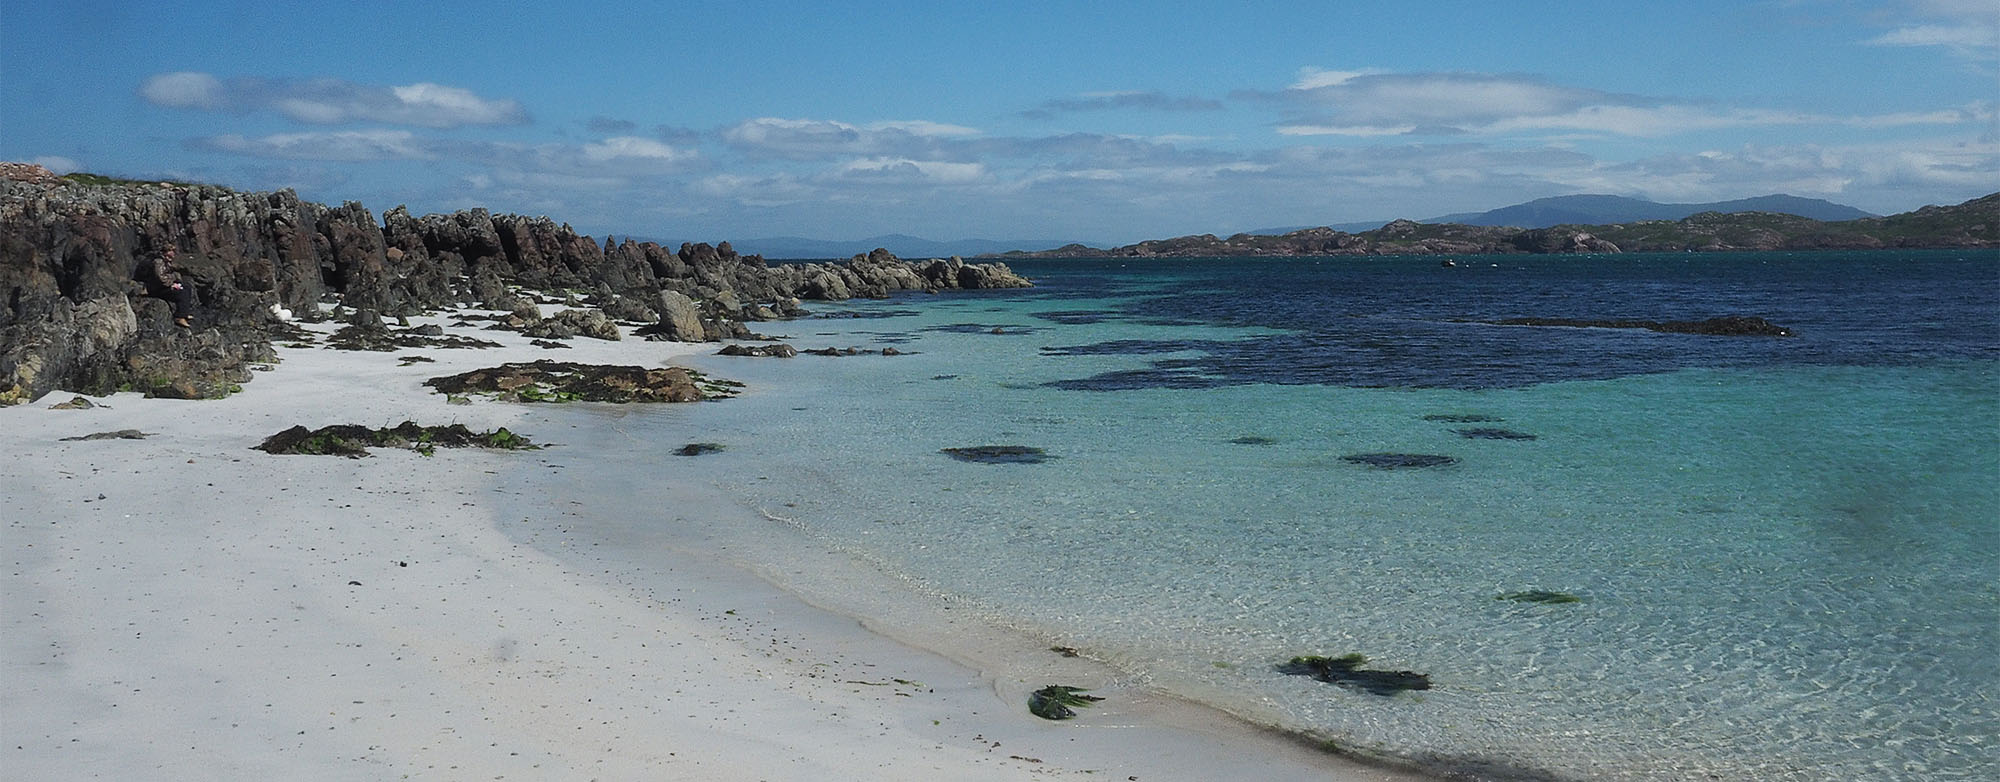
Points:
(1785, 549)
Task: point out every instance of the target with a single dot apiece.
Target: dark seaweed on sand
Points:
(1346, 671)
(1054, 701)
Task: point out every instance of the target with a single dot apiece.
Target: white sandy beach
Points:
(184, 607)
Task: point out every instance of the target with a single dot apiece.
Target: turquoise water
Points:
(1786, 550)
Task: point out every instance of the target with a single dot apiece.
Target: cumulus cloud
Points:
(184, 90)
(1104, 101)
(634, 148)
(897, 171)
(333, 101)
(809, 139)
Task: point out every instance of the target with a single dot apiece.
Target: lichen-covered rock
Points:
(575, 323)
(680, 320)
(72, 316)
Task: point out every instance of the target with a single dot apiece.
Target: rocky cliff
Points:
(75, 315)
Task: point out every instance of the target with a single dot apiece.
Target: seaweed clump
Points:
(1054, 701)
(1400, 461)
(1540, 596)
(1346, 671)
(998, 454)
(353, 440)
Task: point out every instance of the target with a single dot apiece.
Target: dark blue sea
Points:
(1783, 551)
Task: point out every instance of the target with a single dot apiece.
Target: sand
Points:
(184, 607)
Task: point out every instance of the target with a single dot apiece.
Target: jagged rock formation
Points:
(1971, 225)
(74, 317)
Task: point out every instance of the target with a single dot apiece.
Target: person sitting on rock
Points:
(168, 283)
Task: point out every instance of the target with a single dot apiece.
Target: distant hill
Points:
(1605, 210)
(903, 245)
(1611, 209)
(1973, 224)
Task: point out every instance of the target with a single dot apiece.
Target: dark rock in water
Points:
(1456, 418)
(561, 381)
(408, 360)
(1254, 440)
(981, 328)
(428, 330)
(1054, 701)
(549, 344)
(773, 350)
(1540, 596)
(1346, 671)
(122, 434)
(869, 314)
(1399, 461)
(1080, 317)
(1727, 326)
(1493, 434)
(998, 454)
(353, 440)
(944, 377)
(698, 449)
(74, 403)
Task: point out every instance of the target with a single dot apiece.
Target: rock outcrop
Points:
(74, 315)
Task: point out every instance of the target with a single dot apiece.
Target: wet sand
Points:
(181, 606)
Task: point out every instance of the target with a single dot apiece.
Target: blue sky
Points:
(1103, 121)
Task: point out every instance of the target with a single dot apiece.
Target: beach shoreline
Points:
(181, 606)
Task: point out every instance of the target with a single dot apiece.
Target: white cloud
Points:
(1970, 29)
(1447, 101)
(634, 147)
(810, 139)
(452, 105)
(1345, 130)
(184, 90)
(925, 128)
(903, 170)
(332, 101)
(1311, 78)
(1122, 99)
(1364, 104)
(346, 146)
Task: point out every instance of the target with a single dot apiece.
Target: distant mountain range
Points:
(1609, 210)
(1595, 210)
(1973, 224)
